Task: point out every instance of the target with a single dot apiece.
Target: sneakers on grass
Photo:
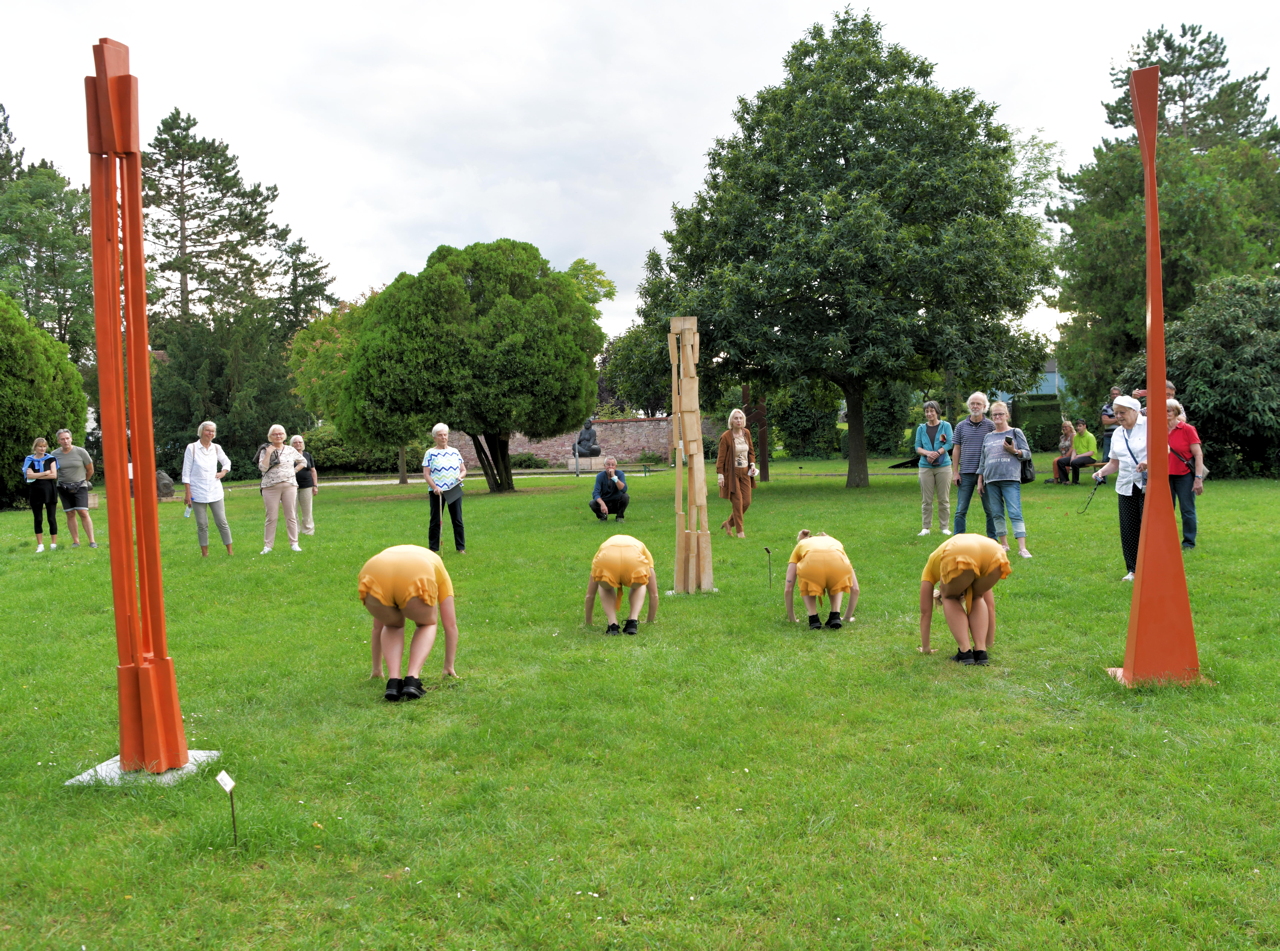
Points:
(964, 657)
(922, 533)
(1128, 577)
(632, 626)
(295, 547)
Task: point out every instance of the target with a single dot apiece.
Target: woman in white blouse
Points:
(1129, 459)
(204, 466)
(279, 465)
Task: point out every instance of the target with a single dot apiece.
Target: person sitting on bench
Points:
(609, 494)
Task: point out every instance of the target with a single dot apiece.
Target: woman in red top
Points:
(1186, 469)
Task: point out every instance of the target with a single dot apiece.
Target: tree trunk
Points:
(404, 472)
(857, 477)
(500, 459)
(486, 464)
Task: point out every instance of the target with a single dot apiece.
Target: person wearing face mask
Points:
(1129, 460)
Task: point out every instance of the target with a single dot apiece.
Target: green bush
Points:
(1039, 416)
(886, 421)
(41, 391)
(805, 419)
(648, 458)
(332, 454)
(527, 460)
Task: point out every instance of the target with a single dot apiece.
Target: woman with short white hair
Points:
(444, 470)
(279, 465)
(204, 466)
(1129, 459)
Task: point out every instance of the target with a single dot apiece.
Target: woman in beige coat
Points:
(736, 471)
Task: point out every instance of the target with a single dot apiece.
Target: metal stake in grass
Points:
(769, 552)
(227, 783)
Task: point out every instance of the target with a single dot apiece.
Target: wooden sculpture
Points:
(693, 534)
(151, 733)
(1162, 642)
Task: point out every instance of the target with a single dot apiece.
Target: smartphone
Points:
(1008, 440)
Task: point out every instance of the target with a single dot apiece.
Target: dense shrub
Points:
(887, 421)
(40, 392)
(804, 417)
(332, 454)
(527, 460)
(1039, 416)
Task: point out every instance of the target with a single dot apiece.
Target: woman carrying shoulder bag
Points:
(1000, 475)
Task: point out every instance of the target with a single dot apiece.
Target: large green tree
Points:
(861, 225)
(489, 339)
(10, 159)
(40, 393)
(44, 255)
(636, 369)
(1219, 182)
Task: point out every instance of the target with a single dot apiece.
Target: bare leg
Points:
(73, 528)
(88, 525)
(978, 622)
(449, 618)
(636, 601)
(953, 597)
(204, 551)
(810, 604)
(393, 648)
(609, 602)
(375, 647)
(836, 600)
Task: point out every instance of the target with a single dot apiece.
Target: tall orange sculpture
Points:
(151, 734)
(693, 543)
(1162, 640)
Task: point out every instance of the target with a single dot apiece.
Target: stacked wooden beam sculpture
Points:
(693, 533)
(151, 734)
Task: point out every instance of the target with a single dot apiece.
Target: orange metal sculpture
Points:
(1162, 640)
(151, 733)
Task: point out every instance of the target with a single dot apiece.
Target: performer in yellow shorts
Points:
(407, 582)
(821, 566)
(622, 562)
(966, 568)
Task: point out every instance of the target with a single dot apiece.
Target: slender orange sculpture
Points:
(693, 543)
(1162, 639)
(151, 734)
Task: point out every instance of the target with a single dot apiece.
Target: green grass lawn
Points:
(723, 780)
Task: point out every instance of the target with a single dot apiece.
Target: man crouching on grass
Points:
(610, 493)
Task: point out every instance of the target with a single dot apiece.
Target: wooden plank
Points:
(705, 580)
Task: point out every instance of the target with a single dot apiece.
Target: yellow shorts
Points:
(402, 572)
(621, 562)
(967, 552)
(821, 571)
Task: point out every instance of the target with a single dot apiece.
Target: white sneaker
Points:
(53, 548)
(39, 548)
(265, 551)
(923, 532)
(946, 531)
(1128, 577)
(295, 547)
(1024, 553)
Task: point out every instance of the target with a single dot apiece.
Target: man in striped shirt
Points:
(967, 439)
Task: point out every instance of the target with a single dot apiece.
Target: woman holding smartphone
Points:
(1000, 476)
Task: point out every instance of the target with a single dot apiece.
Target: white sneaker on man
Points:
(946, 531)
(923, 532)
(1128, 577)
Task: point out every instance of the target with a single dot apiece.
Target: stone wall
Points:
(624, 439)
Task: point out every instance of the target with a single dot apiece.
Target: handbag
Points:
(1028, 465)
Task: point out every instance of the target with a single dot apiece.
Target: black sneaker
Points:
(394, 686)
(613, 629)
(980, 658)
(814, 623)
(964, 657)
(632, 626)
(602, 518)
(412, 689)
(833, 621)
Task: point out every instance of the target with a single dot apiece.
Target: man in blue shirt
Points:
(609, 495)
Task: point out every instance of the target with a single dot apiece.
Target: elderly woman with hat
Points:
(1129, 460)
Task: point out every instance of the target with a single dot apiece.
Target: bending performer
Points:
(821, 566)
(408, 582)
(966, 568)
(622, 562)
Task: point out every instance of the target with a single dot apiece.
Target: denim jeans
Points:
(1004, 498)
(1182, 486)
(964, 495)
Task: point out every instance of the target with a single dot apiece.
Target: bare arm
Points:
(590, 603)
(1113, 465)
(790, 591)
(852, 600)
(653, 596)
(926, 615)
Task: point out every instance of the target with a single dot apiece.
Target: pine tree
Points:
(1199, 101)
(302, 286)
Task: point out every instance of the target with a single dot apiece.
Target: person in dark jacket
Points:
(609, 494)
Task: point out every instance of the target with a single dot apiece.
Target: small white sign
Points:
(226, 782)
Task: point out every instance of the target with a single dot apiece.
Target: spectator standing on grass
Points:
(609, 493)
(75, 469)
(736, 471)
(444, 471)
(279, 465)
(820, 565)
(1109, 421)
(40, 470)
(1000, 477)
(1083, 448)
(1186, 468)
(968, 436)
(1129, 460)
(204, 466)
(1064, 453)
(933, 445)
(308, 487)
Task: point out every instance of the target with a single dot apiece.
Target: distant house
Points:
(1049, 384)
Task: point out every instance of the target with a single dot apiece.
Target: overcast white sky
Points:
(391, 128)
